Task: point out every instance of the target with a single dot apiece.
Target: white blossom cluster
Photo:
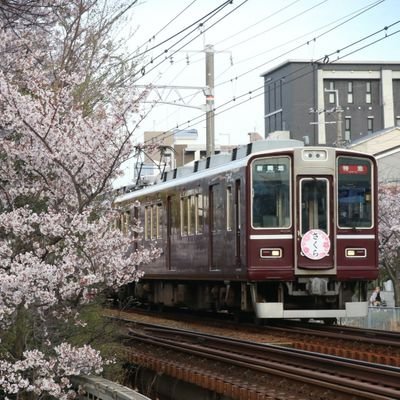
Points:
(38, 374)
(389, 222)
(59, 151)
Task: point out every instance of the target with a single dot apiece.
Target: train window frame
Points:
(370, 195)
(278, 159)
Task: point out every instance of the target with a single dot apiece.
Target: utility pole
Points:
(210, 123)
(208, 91)
(339, 121)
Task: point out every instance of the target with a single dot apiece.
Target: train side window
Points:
(229, 208)
(147, 222)
(184, 216)
(152, 218)
(125, 217)
(158, 221)
(191, 203)
(199, 214)
(116, 224)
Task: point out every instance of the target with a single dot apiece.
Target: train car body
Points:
(275, 227)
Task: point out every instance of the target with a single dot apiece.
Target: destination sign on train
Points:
(353, 169)
(271, 168)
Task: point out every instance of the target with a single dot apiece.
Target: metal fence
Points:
(97, 388)
(385, 318)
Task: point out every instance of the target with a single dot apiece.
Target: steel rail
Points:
(369, 381)
(370, 336)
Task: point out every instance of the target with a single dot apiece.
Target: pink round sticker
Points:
(315, 244)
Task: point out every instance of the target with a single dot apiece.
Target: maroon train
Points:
(277, 228)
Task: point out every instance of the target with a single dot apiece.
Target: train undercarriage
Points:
(306, 298)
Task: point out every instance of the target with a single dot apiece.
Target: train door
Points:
(315, 240)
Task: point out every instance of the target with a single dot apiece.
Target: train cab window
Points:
(354, 193)
(314, 203)
(271, 193)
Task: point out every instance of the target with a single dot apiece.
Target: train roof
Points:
(212, 165)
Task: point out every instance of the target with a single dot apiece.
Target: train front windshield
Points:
(354, 193)
(271, 193)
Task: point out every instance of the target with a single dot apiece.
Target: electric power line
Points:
(325, 59)
(166, 51)
(164, 27)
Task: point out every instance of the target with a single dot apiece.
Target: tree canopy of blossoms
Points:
(389, 234)
(65, 128)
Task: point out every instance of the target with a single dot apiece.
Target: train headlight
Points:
(271, 253)
(315, 155)
(356, 253)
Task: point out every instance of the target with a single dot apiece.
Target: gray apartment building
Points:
(323, 103)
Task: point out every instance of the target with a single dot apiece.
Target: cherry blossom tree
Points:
(389, 234)
(66, 126)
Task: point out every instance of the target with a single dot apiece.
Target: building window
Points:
(269, 98)
(350, 92)
(347, 129)
(368, 98)
(370, 126)
(331, 95)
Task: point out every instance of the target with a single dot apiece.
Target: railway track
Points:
(288, 372)
(364, 345)
(371, 336)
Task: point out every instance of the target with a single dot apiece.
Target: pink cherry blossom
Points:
(389, 234)
(61, 145)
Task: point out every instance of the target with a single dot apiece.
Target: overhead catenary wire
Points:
(280, 24)
(143, 71)
(271, 28)
(344, 20)
(193, 24)
(326, 59)
(306, 43)
(258, 22)
(153, 37)
(349, 17)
